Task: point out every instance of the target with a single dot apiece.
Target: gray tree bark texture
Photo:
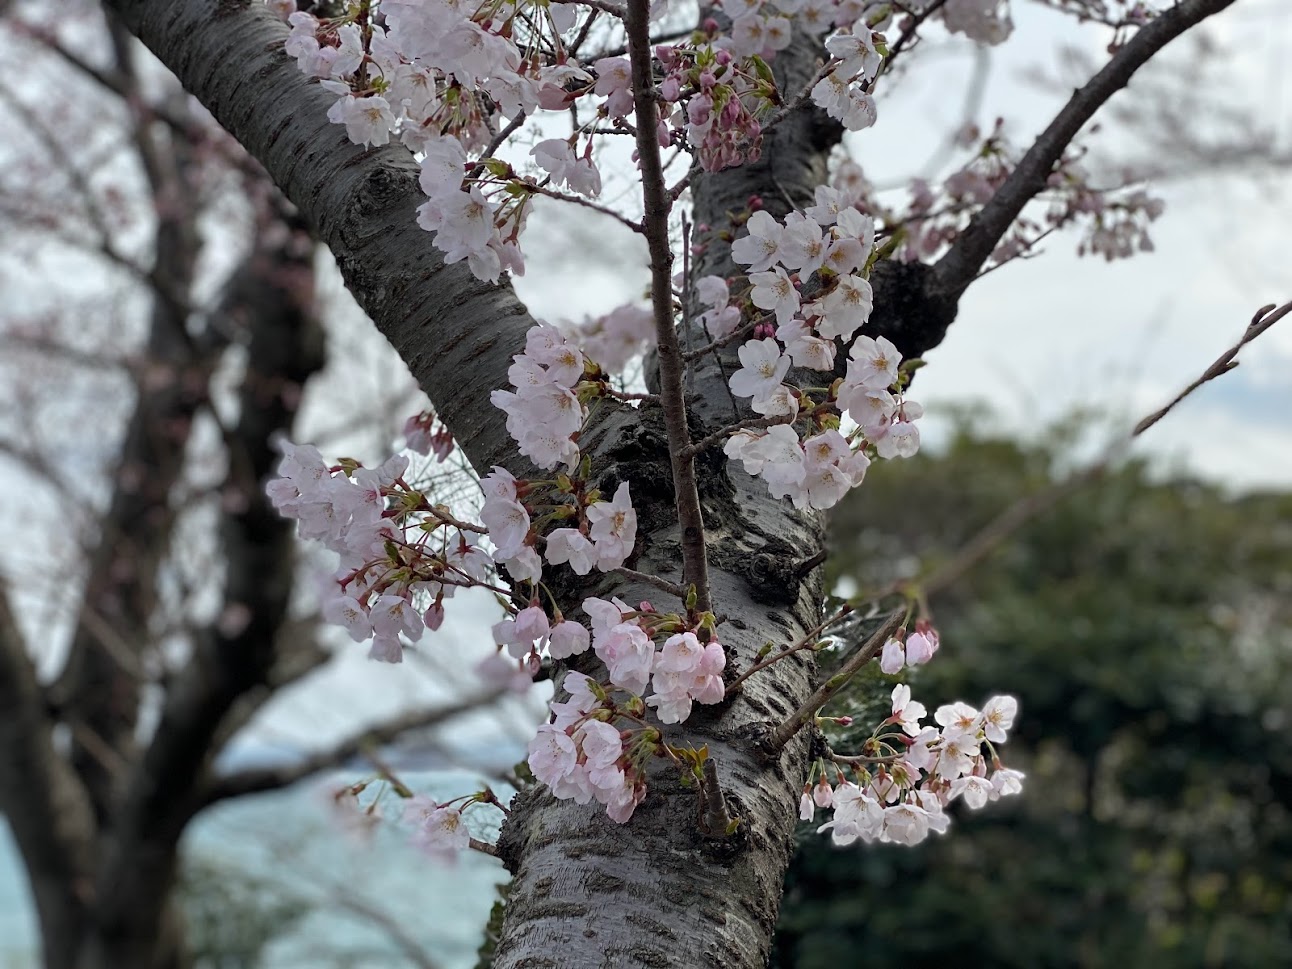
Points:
(588, 893)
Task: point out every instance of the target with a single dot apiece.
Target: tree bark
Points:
(452, 331)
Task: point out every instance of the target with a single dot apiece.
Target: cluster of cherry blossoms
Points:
(582, 754)
(439, 830)
(604, 537)
(543, 413)
(918, 771)
(913, 650)
(402, 556)
(444, 78)
(825, 250)
(986, 21)
(452, 80)
(395, 547)
(615, 338)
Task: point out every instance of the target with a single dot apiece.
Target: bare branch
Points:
(396, 932)
(957, 268)
(991, 536)
(259, 780)
(1265, 317)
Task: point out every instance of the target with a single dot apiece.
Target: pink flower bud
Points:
(806, 809)
(698, 109)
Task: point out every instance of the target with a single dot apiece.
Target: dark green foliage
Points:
(1147, 630)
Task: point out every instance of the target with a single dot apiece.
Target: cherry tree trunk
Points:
(588, 892)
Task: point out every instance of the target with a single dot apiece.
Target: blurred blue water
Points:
(292, 839)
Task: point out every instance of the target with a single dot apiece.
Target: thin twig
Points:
(1021, 512)
(734, 336)
(1265, 317)
(256, 780)
(672, 588)
(586, 203)
(804, 566)
(510, 129)
(807, 641)
(484, 847)
(796, 102)
(717, 437)
(656, 207)
(614, 9)
(682, 184)
(910, 34)
(686, 301)
(781, 735)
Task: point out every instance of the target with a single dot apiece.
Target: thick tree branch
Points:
(46, 806)
(235, 656)
(98, 688)
(953, 273)
(451, 329)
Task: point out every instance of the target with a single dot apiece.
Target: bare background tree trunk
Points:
(98, 818)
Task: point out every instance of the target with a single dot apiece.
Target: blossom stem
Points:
(484, 847)
(855, 759)
(656, 207)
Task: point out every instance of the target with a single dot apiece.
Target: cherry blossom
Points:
(451, 82)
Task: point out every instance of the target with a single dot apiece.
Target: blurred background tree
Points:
(1147, 626)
